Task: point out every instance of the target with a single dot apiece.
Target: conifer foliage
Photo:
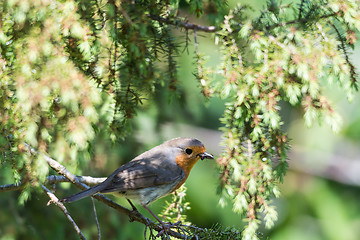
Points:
(70, 69)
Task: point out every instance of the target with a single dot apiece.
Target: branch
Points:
(53, 179)
(11, 187)
(96, 218)
(133, 215)
(301, 9)
(184, 24)
(346, 54)
(82, 181)
(55, 200)
(300, 20)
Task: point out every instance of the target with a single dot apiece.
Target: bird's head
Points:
(188, 152)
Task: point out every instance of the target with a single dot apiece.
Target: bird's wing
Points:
(143, 173)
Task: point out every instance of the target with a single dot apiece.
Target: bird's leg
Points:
(156, 217)
(134, 210)
(166, 228)
(132, 205)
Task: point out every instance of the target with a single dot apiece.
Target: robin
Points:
(151, 175)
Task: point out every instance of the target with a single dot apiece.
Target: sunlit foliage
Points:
(71, 69)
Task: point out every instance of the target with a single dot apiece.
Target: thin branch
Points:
(96, 218)
(201, 72)
(11, 187)
(184, 24)
(250, 150)
(196, 44)
(53, 179)
(55, 200)
(199, 67)
(347, 58)
(133, 215)
(125, 14)
(301, 9)
(295, 21)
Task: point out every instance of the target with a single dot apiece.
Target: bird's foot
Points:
(133, 213)
(173, 225)
(167, 228)
(164, 231)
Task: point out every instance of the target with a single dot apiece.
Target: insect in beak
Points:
(206, 155)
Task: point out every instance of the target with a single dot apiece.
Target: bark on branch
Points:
(82, 182)
(52, 179)
(55, 200)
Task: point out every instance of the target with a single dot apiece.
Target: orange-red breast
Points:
(153, 174)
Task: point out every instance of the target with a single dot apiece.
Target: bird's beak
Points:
(206, 155)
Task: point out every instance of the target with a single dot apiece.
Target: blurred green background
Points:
(320, 194)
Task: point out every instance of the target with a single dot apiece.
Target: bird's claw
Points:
(167, 228)
(132, 215)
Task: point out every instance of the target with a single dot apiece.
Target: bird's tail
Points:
(83, 194)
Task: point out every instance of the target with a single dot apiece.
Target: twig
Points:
(196, 44)
(83, 179)
(53, 179)
(146, 227)
(125, 14)
(55, 200)
(184, 24)
(96, 218)
(295, 21)
(250, 150)
(199, 67)
(347, 58)
(11, 187)
(134, 215)
(300, 10)
(201, 73)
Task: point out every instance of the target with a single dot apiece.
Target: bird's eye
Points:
(188, 151)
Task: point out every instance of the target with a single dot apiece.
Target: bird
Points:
(151, 175)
